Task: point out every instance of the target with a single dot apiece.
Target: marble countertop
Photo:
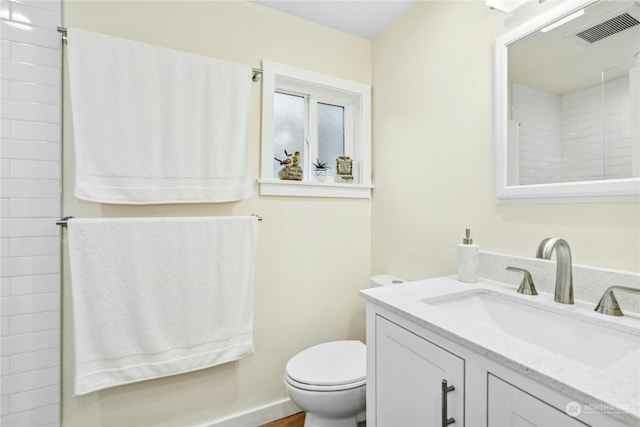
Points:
(616, 385)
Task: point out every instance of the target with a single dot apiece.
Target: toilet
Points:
(328, 381)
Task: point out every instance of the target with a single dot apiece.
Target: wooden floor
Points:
(295, 420)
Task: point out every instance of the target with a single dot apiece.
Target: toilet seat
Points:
(313, 387)
(331, 366)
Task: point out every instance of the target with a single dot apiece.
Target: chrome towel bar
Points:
(63, 221)
(256, 72)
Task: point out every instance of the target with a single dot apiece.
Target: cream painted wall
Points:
(432, 170)
(432, 150)
(313, 255)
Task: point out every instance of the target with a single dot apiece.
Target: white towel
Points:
(154, 125)
(154, 297)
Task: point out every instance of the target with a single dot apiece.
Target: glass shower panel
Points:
(330, 134)
(620, 98)
(289, 128)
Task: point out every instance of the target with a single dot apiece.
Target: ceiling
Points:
(364, 18)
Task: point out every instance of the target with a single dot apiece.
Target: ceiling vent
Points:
(606, 26)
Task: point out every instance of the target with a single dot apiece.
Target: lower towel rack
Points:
(63, 221)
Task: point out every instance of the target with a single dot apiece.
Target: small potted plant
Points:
(320, 170)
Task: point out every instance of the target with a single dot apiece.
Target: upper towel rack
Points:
(63, 221)
(257, 72)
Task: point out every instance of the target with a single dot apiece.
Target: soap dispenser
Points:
(467, 259)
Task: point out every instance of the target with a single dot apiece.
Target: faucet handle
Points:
(526, 286)
(608, 303)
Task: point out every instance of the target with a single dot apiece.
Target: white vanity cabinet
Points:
(417, 382)
(407, 363)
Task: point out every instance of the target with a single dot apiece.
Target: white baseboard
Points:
(258, 416)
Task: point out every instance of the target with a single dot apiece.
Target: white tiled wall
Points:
(582, 146)
(538, 113)
(597, 144)
(30, 167)
(617, 129)
(569, 138)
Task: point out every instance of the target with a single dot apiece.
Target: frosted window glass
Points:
(330, 134)
(289, 120)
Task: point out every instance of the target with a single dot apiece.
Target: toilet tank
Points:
(385, 280)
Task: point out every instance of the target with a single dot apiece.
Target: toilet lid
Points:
(331, 363)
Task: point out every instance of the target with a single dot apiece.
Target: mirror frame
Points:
(579, 191)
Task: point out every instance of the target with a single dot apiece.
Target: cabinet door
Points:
(509, 406)
(409, 373)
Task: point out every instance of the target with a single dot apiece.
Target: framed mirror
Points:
(567, 105)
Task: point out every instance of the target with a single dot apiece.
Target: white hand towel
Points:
(154, 297)
(154, 125)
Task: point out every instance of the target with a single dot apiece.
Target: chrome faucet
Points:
(564, 280)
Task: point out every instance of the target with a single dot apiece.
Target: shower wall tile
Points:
(24, 33)
(46, 132)
(33, 380)
(563, 138)
(5, 89)
(35, 16)
(5, 403)
(24, 266)
(29, 246)
(35, 360)
(30, 285)
(15, 149)
(24, 227)
(35, 92)
(37, 55)
(592, 127)
(35, 208)
(30, 162)
(5, 168)
(37, 322)
(26, 343)
(55, 6)
(31, 188)
(44, 416)
(38, 169)
(31, 73)
(31, 111)
(539, 154)
(34, 399)
(6, 49)
(5, 124)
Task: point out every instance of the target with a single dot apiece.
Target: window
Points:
(320, 117)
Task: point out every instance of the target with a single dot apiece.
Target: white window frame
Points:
(317, 87)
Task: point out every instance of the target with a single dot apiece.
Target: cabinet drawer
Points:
(509, 406)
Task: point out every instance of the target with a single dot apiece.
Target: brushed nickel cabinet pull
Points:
(445, 418)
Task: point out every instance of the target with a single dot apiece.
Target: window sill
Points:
(277, 187)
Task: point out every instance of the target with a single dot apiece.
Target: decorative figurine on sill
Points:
(292, 171)
(344, 169)
(320, 170)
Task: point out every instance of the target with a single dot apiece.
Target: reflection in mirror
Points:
(574, 98)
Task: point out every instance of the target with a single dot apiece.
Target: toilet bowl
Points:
(328, 382)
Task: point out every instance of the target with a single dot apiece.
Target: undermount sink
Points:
(583, 341)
